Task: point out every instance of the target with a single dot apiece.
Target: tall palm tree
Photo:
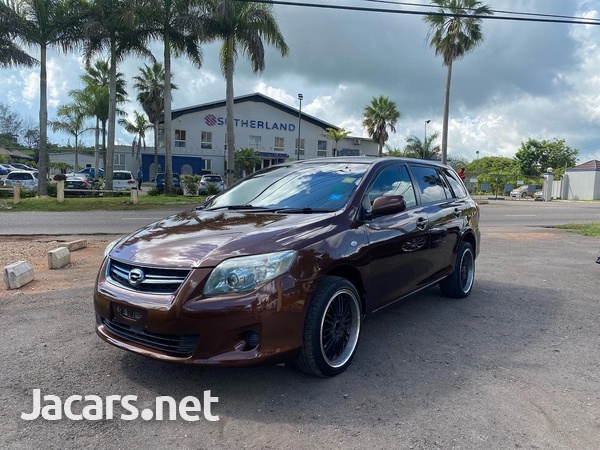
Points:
(119, 27)
(72, 119)
(415, 148)
(179, 23)
(336, 135)
(150, 85)
(138, 127)
(47, 24)
(379, 115)
(242, 27)
(453, 37)
(10, 53)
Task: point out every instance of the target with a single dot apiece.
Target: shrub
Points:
(212, 189)
(190, 184)
(52, 189)
(153, 192)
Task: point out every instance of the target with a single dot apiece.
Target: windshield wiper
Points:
(305, 210)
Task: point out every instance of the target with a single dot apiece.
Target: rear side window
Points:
(457, 185)
(431, 184)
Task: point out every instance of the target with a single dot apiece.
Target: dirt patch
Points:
(82, 270)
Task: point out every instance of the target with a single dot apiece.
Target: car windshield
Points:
(306, 187)
(212, 178)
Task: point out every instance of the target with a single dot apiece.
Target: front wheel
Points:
(332, 328)
(460, 282)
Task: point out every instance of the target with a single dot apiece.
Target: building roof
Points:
(15, 154)
(256, 98)
(590, 166)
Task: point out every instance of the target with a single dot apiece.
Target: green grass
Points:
(98, 203)
(585, 229)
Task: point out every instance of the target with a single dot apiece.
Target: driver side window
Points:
(393, 180)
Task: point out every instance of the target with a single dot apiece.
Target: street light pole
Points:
(425, 137)
(300, 97)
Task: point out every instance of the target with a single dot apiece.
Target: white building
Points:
(269, 127)
(582, 182)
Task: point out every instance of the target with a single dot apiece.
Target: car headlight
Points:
(244, 273)
(110, 246)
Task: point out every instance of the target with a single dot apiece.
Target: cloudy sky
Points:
(527, 79)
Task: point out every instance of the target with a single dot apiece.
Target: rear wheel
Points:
(332, 328)
(460, 282)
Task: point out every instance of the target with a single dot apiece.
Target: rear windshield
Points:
(213, 178)
(122, 176)
(21, 176)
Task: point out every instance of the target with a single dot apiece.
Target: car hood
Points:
(205, 238)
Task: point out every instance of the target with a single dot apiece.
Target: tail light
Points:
(130, 181)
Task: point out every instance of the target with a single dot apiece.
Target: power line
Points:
(495, 11)
(544, 19)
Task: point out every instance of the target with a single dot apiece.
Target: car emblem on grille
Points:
(136, 276)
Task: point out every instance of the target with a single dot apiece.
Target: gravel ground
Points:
(84, 263)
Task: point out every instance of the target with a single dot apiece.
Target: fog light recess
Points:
(251, 339)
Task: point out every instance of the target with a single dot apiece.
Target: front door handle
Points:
(422, 223)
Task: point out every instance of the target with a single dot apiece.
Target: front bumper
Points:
(261, 326)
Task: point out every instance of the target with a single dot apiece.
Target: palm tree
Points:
(415, 148)
(453, 36)
(246, 159)
(180, 26)
(138, 127)
(72, 121)
(242, 27)
(380, 115)
(95, 95)
(336, 135)
(115, 26)
(10, 53)
(46, 24)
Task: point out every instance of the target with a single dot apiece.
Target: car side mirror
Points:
(388, 204)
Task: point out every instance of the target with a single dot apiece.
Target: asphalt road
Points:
(515, 365)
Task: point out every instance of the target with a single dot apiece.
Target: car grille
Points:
(153, 280)
(172, 345)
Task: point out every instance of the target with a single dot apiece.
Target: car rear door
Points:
(446, 215)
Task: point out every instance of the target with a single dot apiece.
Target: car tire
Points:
(331, 329)
(523, 195)
(460, 282)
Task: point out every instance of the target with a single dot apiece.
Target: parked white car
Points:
(27, 179)
(123, 180)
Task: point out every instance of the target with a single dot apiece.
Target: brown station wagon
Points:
(285, 264)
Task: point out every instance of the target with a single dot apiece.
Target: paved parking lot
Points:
(515, 365)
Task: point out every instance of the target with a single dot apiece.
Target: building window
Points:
(301, 149)
(206, 140)
(179, 138)
(119, 161)
(278, 147)
(321, 148)
(254, 142)
(207, 165)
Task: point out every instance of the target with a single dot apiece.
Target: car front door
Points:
(398, 243)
